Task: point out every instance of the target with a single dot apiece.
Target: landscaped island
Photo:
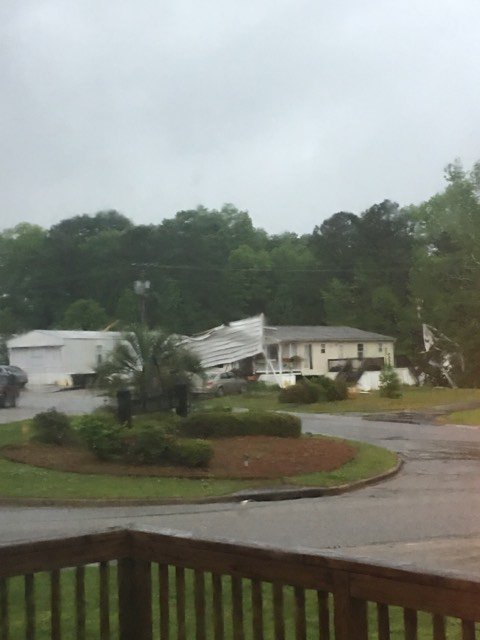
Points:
(162, 457)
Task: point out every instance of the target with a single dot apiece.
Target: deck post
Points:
(134, 599)
(350, 614)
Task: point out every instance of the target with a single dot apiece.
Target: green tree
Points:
(85, 314)
(151, 361)
(24, 280)
(445, 278)
(364, 266)
(84, 260)
(340, 303)
(296, 290)
(248, 281)
(127, 309)
(335, 244)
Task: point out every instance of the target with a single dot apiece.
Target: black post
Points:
(124, 406)
(181, 391)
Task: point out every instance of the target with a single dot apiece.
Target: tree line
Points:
(388, 269)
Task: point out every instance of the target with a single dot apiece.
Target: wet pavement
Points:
(426, 516)
(41, 398)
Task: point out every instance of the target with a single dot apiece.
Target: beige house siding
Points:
(323, 352)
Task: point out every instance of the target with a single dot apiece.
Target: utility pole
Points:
(141, 288)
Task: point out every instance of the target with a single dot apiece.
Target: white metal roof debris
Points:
(228, 343)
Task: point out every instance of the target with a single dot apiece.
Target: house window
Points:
(360, 351)
(380, 347)
(322, 348)
(308, 356)
(272, 352)
(99, 355)
(293, 349)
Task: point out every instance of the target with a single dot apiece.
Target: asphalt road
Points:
(41, 398)
(428, 515)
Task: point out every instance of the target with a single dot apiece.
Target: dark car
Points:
(8, 390)
(21, 377)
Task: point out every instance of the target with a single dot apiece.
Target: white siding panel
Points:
(56, 364)
(37, 359)
(228, 343)
(42, 364)
(370, 380)
(80, 354)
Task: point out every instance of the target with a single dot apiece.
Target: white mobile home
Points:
(355, 355)
(322, 350)
(53, 357)
(281, 354)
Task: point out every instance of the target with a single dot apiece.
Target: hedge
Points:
(146, 443)
(251, 423)
(315, 389)
(303, 392)
(191, 453)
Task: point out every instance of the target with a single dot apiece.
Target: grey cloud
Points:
(290, 109)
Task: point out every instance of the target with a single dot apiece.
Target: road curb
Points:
(271, 495)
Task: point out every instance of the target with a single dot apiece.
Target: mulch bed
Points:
(242, 457)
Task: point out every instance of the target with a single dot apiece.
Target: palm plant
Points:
(149, 361)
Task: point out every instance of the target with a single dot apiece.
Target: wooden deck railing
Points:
(144, 584)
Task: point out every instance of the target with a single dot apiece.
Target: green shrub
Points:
(101, 434)
(262, 388)
(191, 453)
(224, 425)
(212, 424)
(52, 427)
(303, 392)
(390, 385)
(106, 409)
(264, 423)
(333, 389)
(163, 418)
(148, 442)
(220, 408)
(341, 389)
(314, 389)
(150, 445)
(166, 425)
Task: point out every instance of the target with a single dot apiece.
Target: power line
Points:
(186, 267)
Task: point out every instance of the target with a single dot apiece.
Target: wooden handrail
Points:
(61, 552)
(352, 584)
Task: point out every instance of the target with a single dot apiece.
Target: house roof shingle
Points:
(322, 334)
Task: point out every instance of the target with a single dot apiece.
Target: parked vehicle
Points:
(21, 377)
(219, 384)
(8, 390)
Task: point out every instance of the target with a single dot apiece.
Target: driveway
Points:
(32, 400)
(428, 515)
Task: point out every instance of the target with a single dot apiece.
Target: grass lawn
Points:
(42, 594)
(24, 481)
(470, 417)
(413, 398)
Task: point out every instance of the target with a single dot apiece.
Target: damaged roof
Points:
(229, 342)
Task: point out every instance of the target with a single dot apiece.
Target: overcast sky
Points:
(290, 109)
